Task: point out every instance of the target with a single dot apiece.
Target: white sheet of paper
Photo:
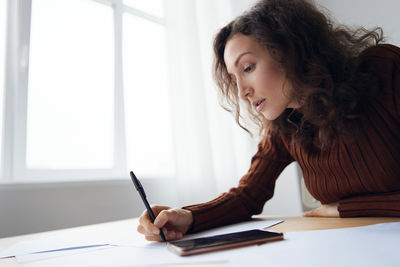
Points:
(48, 244)
(367, 246)
(54, 254)
(73, 238)
(153, 253)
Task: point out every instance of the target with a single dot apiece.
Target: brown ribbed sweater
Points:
(363, 176)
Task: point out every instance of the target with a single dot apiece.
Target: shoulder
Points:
(382, 54)
(383, 62)
(382, 51)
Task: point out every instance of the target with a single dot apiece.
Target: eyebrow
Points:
(238, 58)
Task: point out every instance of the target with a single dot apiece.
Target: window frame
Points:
(16, 92)
(3, 54)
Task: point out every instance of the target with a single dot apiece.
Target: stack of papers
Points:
(123, 246)
(367, 246)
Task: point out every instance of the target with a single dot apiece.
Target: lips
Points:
(259, 104)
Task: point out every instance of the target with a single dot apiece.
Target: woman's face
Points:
(258, 76)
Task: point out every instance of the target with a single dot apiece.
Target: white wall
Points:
(37, 207)
(367, 13)
(287, 198)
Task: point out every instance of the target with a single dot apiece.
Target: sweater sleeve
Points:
(249, 197)
(384, 204)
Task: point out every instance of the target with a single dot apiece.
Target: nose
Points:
(245, 91)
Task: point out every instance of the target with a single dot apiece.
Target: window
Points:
(71, 86)
(148, 124)
(3, 23)
(95, 102)
(152, 7)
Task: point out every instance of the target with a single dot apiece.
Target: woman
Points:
(324, 96)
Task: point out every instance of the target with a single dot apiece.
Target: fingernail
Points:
(155, 231)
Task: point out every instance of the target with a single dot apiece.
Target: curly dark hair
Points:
(321, 59)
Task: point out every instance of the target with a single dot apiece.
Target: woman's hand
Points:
(174, 223)
(327, 210)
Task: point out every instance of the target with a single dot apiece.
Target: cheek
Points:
(272, 81)
(276, 76)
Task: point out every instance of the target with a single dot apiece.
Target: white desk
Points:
(290, 224)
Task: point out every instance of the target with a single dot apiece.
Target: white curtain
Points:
(212, 151)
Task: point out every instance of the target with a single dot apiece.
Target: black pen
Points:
(142, 194)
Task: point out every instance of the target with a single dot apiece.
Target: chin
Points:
(271, 116)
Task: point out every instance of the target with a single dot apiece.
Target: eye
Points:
(249, 68)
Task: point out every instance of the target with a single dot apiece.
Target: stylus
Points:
(142, 194)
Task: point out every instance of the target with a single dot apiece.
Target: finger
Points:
(172, 235)
(165, 216)
(157, 209)
(178, 235)
(306, 214)
(169, 235)
(144, 217)
(141, 229)
(148, 226)
(162, 219)
(153, 238)
(311, 213)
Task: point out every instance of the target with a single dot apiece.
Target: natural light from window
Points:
(70, 122)
(148, 111)
(3, 23)
(153, 7)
